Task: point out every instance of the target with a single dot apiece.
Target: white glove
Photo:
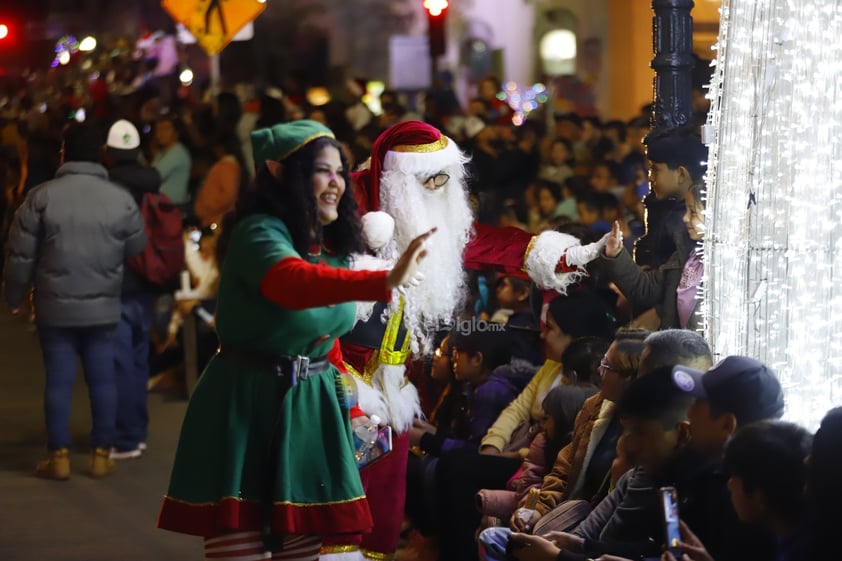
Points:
(583, 254)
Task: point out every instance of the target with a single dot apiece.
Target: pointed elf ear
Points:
(275, 168)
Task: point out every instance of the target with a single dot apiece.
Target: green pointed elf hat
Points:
(281, 141)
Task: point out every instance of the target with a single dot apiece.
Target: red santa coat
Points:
(552, 260)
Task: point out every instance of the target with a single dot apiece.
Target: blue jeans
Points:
(94, 345)
(131, 363)
(492, 543)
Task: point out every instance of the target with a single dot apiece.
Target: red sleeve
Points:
(503, 250)
(334, 356)
(497, 249)
(563, 267)
(297, 285)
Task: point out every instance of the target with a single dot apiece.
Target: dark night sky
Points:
(25, 9)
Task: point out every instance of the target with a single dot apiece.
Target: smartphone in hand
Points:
(669, 502)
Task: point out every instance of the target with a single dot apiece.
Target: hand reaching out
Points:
(406, 269)
(614, 243)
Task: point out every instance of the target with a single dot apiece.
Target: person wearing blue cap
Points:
(265, 463)
(628, 524)
(766, 470)
(737, 391)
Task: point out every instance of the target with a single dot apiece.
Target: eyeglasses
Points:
(604, 367)
(619, 371)
(439, 180)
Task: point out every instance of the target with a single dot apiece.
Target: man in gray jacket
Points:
(70, 239)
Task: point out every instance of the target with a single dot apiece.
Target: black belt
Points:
(296, 367)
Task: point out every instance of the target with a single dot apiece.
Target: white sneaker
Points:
(126, 454)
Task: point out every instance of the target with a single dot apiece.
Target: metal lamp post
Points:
(672, 36)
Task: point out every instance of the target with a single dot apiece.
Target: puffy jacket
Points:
(71, 237)
(483, 404)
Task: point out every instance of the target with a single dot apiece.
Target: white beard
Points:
(431, 305)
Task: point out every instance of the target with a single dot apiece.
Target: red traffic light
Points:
(435, 7)
(436, 16)
(4, 31)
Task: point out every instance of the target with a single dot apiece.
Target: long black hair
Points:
(228, 113)
(563, 404)
(581, 360)
(291, 199)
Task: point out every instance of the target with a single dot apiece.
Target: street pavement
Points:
(81, 519)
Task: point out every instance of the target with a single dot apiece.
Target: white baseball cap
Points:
(123, 136)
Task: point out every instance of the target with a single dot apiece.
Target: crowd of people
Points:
(484, 291)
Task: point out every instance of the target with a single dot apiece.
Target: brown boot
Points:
(101, 464)
(56, 466)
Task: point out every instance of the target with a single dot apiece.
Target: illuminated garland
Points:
(773, 227)
(522, 102)
(65, 48)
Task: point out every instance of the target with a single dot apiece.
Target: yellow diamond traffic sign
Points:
(213, 22)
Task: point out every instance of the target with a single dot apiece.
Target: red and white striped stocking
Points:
(248, 546)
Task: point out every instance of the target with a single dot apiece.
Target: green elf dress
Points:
(272, 301)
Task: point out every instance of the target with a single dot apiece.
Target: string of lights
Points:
(773, 224)
(522, 101)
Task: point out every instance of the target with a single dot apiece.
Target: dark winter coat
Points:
(71, 238)
(139, 180)
(629, 522)
(483, 404)
(653, 288)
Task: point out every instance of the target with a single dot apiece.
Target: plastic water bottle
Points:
(367, 434)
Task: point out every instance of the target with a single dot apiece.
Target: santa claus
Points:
(415, 182)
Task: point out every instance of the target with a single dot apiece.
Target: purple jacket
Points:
(482, 405)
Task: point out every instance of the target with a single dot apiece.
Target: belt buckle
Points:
(300, 366)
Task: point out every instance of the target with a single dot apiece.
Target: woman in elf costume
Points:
(265, 463)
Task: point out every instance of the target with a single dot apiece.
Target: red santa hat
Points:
(412, 147)
(517, 275)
